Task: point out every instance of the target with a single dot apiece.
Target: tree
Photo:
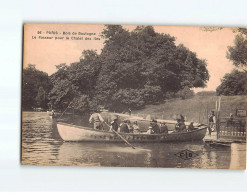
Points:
(41, 98)
(234, 83)
(143, 62)
(62, 92)
(238, 53)
(133, 69)
(74, 85)
(185, 93)
(33, 81)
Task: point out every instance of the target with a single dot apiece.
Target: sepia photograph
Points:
(98, 95)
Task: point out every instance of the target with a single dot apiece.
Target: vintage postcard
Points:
(134, 96)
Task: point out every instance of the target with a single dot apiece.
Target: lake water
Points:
(42, 145)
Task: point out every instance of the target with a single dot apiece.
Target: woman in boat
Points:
(155, 126)
(163, 128)
(114, 124)
(130, 126)
(191, 126)
(136, 129)
(177, 125)
(180, 126)
(124, 127)
(150, 130)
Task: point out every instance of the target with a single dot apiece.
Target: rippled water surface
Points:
(42, 145)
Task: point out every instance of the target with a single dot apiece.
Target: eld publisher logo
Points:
(186, 154)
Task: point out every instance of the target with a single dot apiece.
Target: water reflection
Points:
(238, 156)
(42, 145)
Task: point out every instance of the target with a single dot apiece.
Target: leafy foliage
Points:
(234, 83)
(238, 52)
(41, 100)
(142, 66)
(133, 69)
(185, 93)
(206, 93)
(36, 85)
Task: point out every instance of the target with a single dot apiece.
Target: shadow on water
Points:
(42, 145)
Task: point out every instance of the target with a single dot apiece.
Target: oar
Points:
(120, 136)
(65, 110)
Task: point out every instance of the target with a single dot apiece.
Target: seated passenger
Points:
(191, 127)
(182, 126)
(114, 125)
(150, 130)
(136, 128)
(155, 126)
(124, 127)
(163, 128)
(130, 126)
(177, 125)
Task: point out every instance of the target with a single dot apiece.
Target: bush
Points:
(185, 93)
(206, 93)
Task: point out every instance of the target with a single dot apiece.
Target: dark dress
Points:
(114, 126)
(124, 128)
(164, 129)
(156, 129)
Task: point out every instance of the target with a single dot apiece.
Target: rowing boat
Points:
(69, 132)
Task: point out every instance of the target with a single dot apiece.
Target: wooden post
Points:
(218, 117)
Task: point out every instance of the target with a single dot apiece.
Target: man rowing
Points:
(97, 119)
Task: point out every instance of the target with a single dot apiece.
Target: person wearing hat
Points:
(211, 121)
(53, 113)
(191, 126)
(163, 128)
(182, 126)
(124, 127)
(97, 119)
(155, 126)
(177, 125)
(114, 124)
(150, 130)
(230, 121)
(130, 126)
(136, 127)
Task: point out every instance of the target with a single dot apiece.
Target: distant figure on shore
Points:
(53, 112)
(97, 119)
(163, 128)
(129, 111)
(136, 128)
(230, 121)
(191, 126)
(124, 127)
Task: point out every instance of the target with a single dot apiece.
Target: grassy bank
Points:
(195, 109)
